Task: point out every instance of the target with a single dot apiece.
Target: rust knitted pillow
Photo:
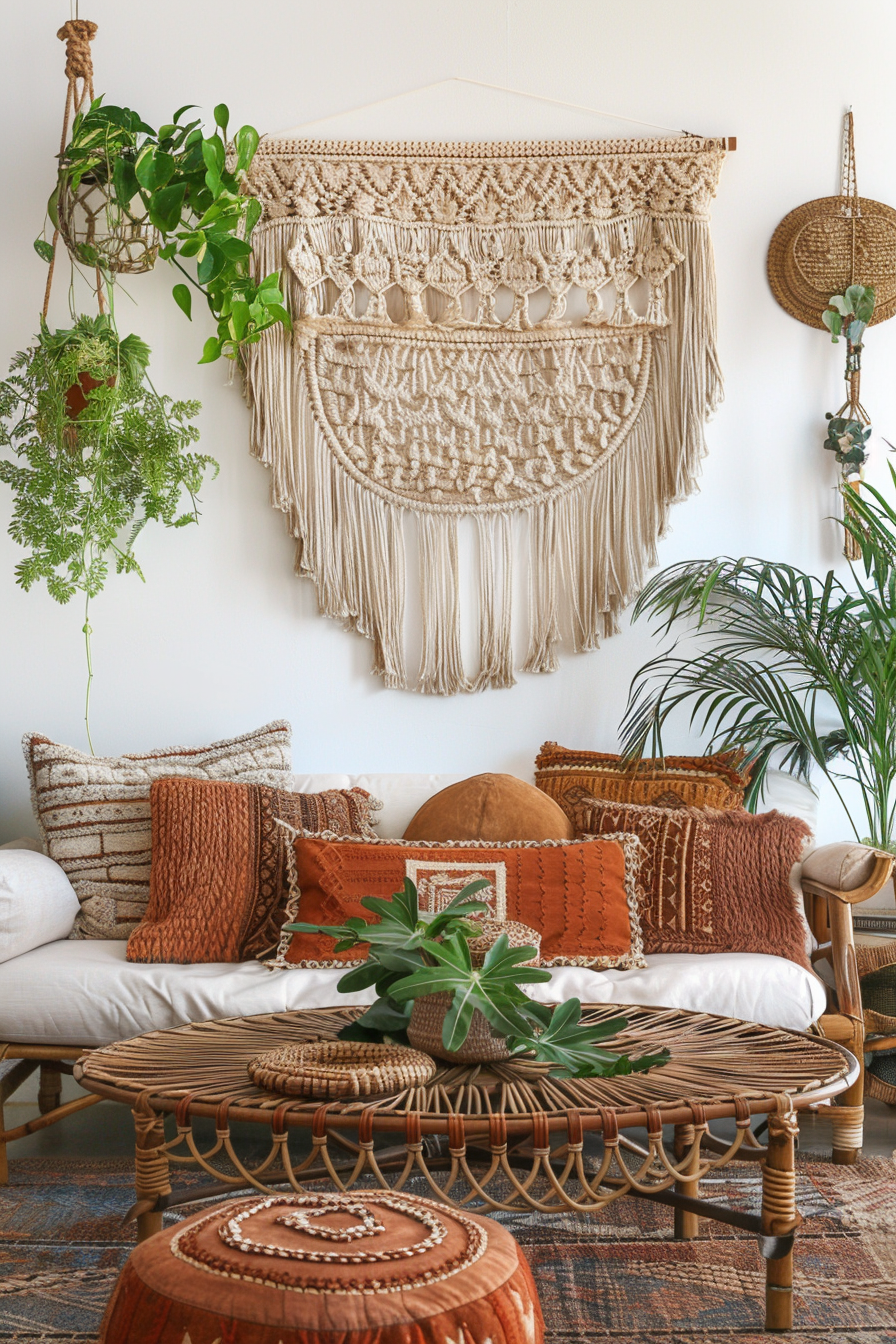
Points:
(218, 884)
(671, 781)
(580, 896)
(712, 881)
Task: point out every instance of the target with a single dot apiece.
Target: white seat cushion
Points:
(86, 993)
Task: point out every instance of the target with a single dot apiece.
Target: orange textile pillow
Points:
(218, 885)
(580, 896)
(490, 807)
(670, 781)
(712, 881)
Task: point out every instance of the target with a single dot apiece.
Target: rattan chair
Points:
(829, 912)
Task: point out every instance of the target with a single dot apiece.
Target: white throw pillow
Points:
(37, 902)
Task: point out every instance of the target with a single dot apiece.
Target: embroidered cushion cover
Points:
(672, 781)
(94, 818)
(490, 807)
(218, 887)
(580, 896)
(711, 881)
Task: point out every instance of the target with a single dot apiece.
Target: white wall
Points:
(222, 636)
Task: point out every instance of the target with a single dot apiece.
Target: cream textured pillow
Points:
(94, 815)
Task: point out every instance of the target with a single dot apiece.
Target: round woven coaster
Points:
(819, 249)
(334, 1069)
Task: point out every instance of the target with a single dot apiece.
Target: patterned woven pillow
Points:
(93, 813)
(580, 896)
(218, 888)
(671, 781)
(712, 881)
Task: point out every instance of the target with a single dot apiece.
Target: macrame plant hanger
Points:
(852, 408)
(77, 35)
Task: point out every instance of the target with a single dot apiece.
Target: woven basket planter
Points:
(96, 229)
(333, 1069)
(483, 1045)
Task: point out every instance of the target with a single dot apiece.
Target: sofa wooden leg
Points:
(779, 1217)
(686, 1225)
(49, 1095)
(151, 1163)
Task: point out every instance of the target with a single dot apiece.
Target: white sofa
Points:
(59, 996)
(75, 993)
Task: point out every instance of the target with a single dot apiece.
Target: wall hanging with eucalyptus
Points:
(92, 451)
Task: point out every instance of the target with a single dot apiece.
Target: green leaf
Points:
(222, 117)
(43, 249)
(211, 351)
(246, 145)
(184, 299)
(187, 107)
(166, 206)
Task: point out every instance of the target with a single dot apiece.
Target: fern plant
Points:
(789, 667)
(92, 454)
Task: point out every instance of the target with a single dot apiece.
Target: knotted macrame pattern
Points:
(486, 330)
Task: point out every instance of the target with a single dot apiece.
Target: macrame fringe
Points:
(588, 549)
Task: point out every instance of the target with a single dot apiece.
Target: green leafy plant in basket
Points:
(92, 454)
(413, 953)
(187, 187)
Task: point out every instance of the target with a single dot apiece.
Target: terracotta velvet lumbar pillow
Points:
(93, 812)
(580, 896)
(712, 881)
(218, 888)
(490, 807)
(671, 781)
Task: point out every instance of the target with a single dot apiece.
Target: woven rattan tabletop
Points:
(726, 1066)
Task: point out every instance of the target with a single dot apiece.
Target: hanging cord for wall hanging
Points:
(77, 35)
(730, 141)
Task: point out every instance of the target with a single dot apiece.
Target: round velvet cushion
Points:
(366, 1268)
(490, 807)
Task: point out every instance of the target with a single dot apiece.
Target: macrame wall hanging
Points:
(484, 330)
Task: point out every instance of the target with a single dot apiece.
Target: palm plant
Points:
(789, 667)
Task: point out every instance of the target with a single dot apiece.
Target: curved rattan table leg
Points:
(779, 1216)
(151, 1163)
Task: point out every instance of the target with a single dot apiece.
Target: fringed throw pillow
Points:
(580, 896)
(218, 888)
(669, 781)
(93, 812)
(712, 881)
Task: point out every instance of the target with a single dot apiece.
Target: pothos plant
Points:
(95, 453)
(188, 185)
(412, 953)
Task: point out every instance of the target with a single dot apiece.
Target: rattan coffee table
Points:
(497, 1137)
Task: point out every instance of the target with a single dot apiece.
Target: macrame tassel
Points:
(544, 630)
(495, 607)
(441, 668)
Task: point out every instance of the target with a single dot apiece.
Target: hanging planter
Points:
(97, 231)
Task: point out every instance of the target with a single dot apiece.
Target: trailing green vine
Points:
(188, 186)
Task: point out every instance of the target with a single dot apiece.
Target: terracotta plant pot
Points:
(77, 395)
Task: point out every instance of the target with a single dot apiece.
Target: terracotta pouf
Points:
(366, 1268)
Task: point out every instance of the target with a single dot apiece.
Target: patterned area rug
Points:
(619, 1278)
